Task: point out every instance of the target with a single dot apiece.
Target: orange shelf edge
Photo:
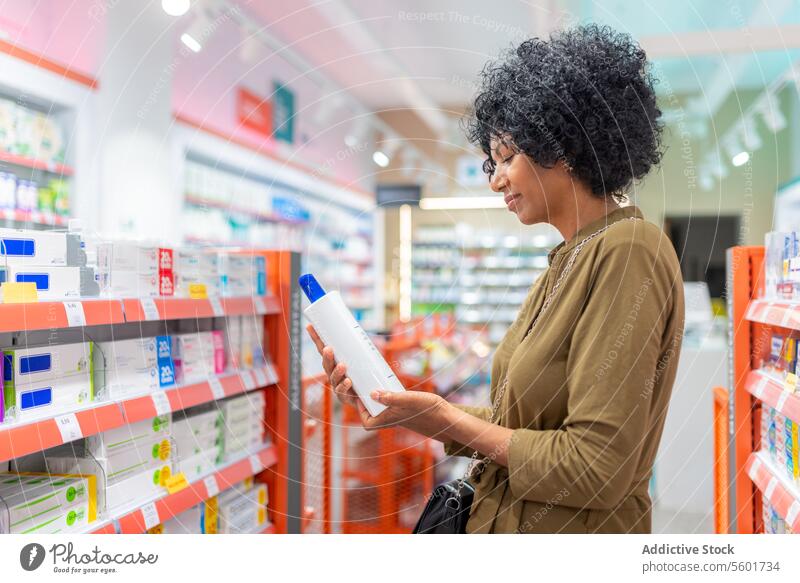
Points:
(769, 390)
(16, 441)
(772, 487)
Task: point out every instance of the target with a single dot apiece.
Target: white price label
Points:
(216, 388)
(161, 403)
(216, 307)
(69, 427)
(150, 309)
(75, 314)
(255, 464)
(261, 305)
(261, 378)
(150, 515)
(211, 485)
(248, 380)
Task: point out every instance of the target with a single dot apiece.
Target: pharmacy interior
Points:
(168, 170)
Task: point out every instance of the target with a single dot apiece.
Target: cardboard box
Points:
(55, 282)
(34, 364)
(137, 487)
(115, 256)
(126, 367)
(27, 247)
(32, 505)
(195, 356)
(109, 442)
(46, 381)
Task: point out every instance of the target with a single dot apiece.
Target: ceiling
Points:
(426, 56)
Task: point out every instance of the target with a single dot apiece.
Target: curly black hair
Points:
(585, 96)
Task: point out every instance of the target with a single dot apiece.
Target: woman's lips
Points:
(511, 199)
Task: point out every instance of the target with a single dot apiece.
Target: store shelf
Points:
(781, 494)
(171, 505)
(775, 313)
(98, 312)
(21, 439)
(181, 308)
(26, 162)
(34, 217)
(770, 390)
(50, 315)
(195, 200)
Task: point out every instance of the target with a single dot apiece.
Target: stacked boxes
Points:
(243, 508)
(245, 341)
(196, 273)
(46, 503)
(198, 356)
(779, 438)
(129, 269)
(54, 262)
(243, 430)
(47, 380)
(132, 470)
(242, 275)
(198, 439)
(126, 367)
(773, 522)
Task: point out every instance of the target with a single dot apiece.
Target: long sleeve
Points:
(613, 355)
(453, 448)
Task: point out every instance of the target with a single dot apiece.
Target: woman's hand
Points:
(425, 413)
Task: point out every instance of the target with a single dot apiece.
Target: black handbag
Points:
(447, 510)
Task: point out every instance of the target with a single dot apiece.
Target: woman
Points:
(582, 384)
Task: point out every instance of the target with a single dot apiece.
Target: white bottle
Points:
(338, 329)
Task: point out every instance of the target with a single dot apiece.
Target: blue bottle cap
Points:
(311, 287)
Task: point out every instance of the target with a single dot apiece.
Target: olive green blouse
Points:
(588, 389)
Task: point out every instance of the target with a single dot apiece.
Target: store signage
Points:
(289, 209)
(283, 112)
(254, 112)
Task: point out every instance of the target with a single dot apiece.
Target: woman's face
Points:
(529, 190)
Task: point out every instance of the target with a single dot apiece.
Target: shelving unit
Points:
(480, 278)
(752, 478)
(278, 463)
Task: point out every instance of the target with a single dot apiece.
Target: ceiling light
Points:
(350, 141)
(380, 159)
(175, 7)
(191, 42)
(740, 159)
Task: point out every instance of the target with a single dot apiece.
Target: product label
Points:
(149, 308)
(161, 403)
(69, 427)
(216, 307)
(75, 315)
(166, 367)
(216, 388)
(255, 464)
(248, 380)
(150, 515)
(212, 487)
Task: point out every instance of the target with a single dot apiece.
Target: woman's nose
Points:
(497, 182)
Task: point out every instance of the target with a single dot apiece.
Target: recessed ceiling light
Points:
(175, 7)
(740, 158)
(380, 159)
(191, 42)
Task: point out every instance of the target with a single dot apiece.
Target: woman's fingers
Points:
(338, 374)
(315, 337)
(328, 361)
(344, 392)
